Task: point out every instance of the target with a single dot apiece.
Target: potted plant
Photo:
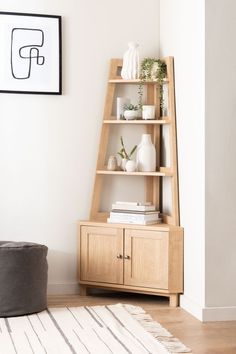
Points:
(125, 156)
(130, 111)
(152, 69)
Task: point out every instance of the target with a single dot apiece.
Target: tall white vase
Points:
(146, 155)
(130, 69)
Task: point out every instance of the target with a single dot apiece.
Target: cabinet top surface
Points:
(155, 227)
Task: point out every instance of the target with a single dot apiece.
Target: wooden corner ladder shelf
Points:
(135, 258)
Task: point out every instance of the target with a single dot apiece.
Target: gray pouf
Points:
(23, 278)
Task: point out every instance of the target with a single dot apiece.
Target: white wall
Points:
(200, 35)
(182, 36)
(48, 144)
(220, 159)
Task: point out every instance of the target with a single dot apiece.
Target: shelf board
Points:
(113, 120)
(164, 172)
(135, 81)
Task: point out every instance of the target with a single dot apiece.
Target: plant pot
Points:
(130, 166)
(129, 115)
(123, 164)
(148, 112)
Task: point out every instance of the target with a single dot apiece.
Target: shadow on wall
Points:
(62, 273)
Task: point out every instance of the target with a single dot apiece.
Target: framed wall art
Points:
(30, 53)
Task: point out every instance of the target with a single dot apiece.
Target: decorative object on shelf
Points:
(112, 163)
(130, 111)
(148, 112)
(152, 69)
(130, 68)
(120, 103)
(123, 164)
(146, 155)
(30, 55)
(131, 166)
(124, 155)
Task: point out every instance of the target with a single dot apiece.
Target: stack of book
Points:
(134, 213)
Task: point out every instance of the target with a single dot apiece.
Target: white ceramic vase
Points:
(130, 166)
(146, 155)
(130, 69)
(123, 164)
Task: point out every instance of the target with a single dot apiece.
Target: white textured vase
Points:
(130, 68)
(130, 166)
(123, 164)
(146, 155)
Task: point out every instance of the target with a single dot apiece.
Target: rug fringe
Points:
(173, 345)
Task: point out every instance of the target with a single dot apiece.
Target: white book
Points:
(135, 212)
(111, 221)
(133, 207)
(126, 203)
(134, 203)
(138, 217)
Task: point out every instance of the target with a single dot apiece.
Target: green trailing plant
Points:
(152, 69)
(123, 152)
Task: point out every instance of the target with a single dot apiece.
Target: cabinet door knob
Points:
(127, 257)
(119, 256)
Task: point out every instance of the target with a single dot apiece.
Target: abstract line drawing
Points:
(25, 50)
(30, 53)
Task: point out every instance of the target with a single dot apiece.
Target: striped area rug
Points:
(117, 329)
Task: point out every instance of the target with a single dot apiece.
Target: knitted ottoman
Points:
(23, 278)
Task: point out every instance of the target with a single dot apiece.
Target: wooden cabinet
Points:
(100, 250)
(140, 259)
(146, 258)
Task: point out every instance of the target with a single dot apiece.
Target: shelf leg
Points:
(83, 290)
(174, 300)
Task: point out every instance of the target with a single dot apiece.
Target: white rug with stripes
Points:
(117, 329)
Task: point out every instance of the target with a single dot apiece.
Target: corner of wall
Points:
(192, 307)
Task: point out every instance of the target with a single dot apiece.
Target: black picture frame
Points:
(30, 53)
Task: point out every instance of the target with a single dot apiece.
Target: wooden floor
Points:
(202, 338)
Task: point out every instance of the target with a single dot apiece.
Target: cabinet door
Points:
(146, 258)
(99, 254)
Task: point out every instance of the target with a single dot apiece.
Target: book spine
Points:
(127, 203)
(133, 207)
(110, 220)
(116, 216)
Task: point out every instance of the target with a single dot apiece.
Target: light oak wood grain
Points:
(202, 338)
(138, 259)
(142, 259)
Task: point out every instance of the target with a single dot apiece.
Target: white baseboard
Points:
(219, 314)
(190, 306)
(208, 314)
(63, 289)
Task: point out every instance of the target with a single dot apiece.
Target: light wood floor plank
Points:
(202, 338)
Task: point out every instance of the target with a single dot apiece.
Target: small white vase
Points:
(123, 164)
(146, 155)
(130, 166)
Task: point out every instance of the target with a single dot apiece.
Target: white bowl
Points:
(130, 114)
